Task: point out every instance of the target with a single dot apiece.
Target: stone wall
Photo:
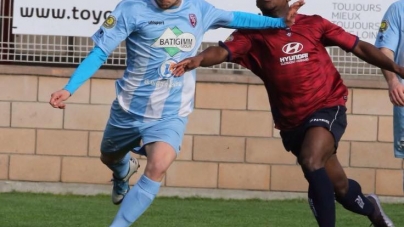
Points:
(230, 141)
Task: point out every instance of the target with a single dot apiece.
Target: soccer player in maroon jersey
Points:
(307, 98)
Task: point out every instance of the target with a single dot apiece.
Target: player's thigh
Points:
(121, 133)
(118, 140)
(318, 144)
(324, 130)
(292, 140)
(320, 134)
(160, 156)
(170, 131)
(162, 143)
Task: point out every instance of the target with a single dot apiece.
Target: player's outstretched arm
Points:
(242, 20)
(374, 56)
(86, 69)
(211, 56)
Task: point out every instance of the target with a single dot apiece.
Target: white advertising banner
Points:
(57, 17)
(84, 17)
(359, 17)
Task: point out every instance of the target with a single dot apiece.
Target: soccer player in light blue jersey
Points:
(152, 106)
(390, 40)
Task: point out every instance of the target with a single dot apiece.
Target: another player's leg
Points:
(349, 194)
(160, 155)
(115, 150)
(163, 141)
(123, 167)
(316, 149)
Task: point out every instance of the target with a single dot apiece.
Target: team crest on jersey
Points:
(166, 78)
(193, 20)
(173, 40)
(384, 25)
(110, 22)
(166, 69)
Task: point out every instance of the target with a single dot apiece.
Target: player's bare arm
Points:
(211, 56)
(374, 56)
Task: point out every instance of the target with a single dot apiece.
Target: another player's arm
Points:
(87, 68)
(114, 30)
(335, 35)
(396, 89)
(391, 77)
(387, 41)
(211, 56)
(238, 45)
(244, 20)
(215, 18)
(374, 56)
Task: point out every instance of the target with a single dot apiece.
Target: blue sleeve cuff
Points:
(242, 20)
(86, 69)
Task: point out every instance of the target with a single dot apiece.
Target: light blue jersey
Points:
(390, 36)
(155, 40)
(149, 99)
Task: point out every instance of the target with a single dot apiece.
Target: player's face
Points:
(166, 4)
(270, 5)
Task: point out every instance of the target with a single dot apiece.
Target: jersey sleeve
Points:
(117, 27)
(389, 32)
(214, 18)
(238, 44)
(334, 35)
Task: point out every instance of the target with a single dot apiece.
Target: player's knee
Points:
(310, 163)
(109, 159)
(340, 187)
(155, 171)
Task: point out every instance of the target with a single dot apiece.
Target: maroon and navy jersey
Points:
(294, 65)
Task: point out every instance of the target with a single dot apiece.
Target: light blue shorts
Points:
(124, 133)
(398, 124)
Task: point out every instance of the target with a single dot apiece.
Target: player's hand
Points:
(186, 65)
(291, 16)
(396, 93)
(58, 98)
